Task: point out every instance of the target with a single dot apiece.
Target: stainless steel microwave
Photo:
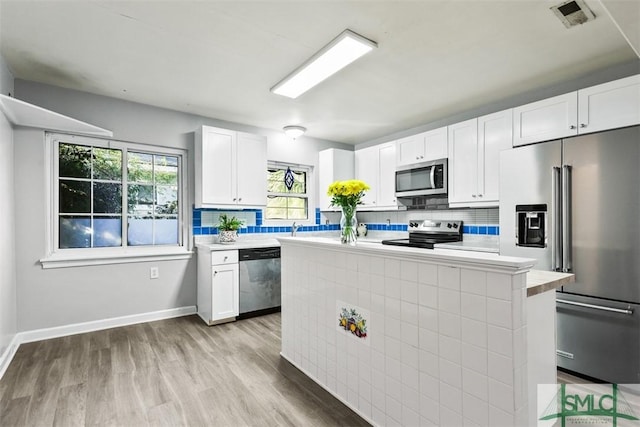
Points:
(422, 179)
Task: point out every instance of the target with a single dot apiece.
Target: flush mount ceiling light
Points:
(339, 53)
(294, 131)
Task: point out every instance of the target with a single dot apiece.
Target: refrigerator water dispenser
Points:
(531, 226)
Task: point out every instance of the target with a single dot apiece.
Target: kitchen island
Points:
(418, 337)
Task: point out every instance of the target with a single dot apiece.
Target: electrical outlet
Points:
(154, 272)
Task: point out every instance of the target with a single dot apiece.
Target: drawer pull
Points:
(627, 311)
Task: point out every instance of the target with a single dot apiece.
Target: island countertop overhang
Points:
(537, 281)
(454, 258)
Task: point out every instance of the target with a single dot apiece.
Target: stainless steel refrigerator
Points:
(574, 205)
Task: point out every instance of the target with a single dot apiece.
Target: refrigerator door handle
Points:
(567, 266)
(628, 311)
(556, 246)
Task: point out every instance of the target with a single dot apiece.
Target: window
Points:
(114, 197)
(284, 202)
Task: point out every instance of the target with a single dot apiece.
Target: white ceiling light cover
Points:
(294, 131)
(339, 53)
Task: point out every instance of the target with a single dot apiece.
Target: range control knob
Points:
(455, 225)
(449, 225)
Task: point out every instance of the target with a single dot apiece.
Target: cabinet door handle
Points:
(417, 157)
(583, 125)
(226, 258)
(473, 195)
(215, 272)
(479, 195)
(572, 127)
(240, 199)
(234, 199)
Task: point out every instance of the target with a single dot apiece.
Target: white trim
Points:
(98, 325)
(60, 261)
(9, 353)
(81, 328)
(56, 258)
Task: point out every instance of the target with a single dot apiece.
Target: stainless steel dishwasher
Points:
(259, 281)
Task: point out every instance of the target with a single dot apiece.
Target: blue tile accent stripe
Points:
(490, 230)
(480, 229)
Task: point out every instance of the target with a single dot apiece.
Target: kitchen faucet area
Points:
(371, 213)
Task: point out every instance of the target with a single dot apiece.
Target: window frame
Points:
(67, 257)
(311, 220)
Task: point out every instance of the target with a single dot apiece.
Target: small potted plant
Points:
(228, 228)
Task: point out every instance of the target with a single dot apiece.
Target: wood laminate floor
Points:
(170, 372)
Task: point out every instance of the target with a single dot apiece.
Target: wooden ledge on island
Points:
(539, 281)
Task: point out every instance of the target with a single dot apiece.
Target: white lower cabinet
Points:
(218, 286)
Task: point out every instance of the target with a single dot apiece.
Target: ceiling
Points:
(435, 58)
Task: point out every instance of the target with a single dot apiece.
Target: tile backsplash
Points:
(477, 221)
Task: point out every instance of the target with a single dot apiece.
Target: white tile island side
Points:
(446, 331)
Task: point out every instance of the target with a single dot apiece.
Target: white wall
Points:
(8, 316)
(57, 297)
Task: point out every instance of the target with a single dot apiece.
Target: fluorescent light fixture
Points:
(339, 53)
(294, 131)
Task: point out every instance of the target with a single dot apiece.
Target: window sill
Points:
(62, 260)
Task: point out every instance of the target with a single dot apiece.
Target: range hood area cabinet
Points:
(423, 147)
(377, 167)
(474, 159)
(606, 106)
(230, 169)
(333, 165)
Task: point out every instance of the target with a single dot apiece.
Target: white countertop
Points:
(453, 257)
(239, 244)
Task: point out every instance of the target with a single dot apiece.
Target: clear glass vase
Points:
(348, 224)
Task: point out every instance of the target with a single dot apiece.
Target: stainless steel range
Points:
(426, 233)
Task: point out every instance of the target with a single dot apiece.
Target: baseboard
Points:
(9, 352)
(97, 325)
(79, 328)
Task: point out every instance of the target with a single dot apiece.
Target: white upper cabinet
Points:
(545, 120)
(610, 105)
(495, 134)
(463, 161)
(474, 159)
(230, 169)
(251, 168)
(377, 167)
(333, 165)
(387, 183)
(430, 145)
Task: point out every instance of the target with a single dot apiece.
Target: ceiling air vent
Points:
(573, 12)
